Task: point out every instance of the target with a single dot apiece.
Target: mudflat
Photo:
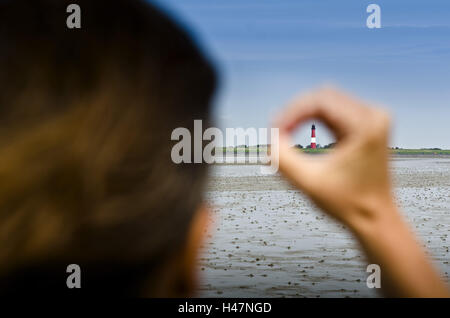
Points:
(268, 240)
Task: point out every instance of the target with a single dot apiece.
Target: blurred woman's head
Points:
(86, 175)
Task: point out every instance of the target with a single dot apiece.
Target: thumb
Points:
(293, 164)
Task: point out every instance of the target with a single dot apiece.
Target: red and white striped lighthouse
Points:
(313, 137)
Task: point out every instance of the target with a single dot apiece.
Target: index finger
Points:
(340, 112)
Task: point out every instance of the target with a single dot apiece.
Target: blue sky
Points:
(268, 51)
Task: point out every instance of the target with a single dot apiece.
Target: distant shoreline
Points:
(252, 150)
(241, 157)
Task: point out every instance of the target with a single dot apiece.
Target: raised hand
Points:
(352, 184)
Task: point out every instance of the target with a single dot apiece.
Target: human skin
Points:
(353, 185)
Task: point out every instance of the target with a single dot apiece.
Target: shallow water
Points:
(268, 240)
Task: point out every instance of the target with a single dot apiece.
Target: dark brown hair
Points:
(86, 116)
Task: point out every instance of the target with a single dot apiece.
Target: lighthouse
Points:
(313, 137)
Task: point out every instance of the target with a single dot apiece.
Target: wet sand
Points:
(268, 240)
